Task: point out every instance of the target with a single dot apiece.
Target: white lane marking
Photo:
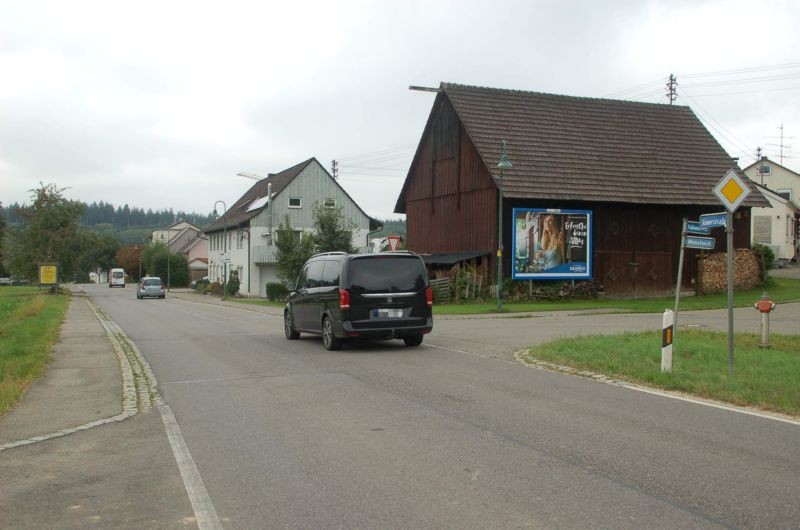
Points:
(729, 408)
(631, 386)
(204, 512)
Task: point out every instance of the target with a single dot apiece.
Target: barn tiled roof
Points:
(237, 214)
(574, 148)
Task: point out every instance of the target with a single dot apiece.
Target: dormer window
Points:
(295, 202)
(766, 169)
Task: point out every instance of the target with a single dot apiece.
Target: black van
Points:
(372, 296)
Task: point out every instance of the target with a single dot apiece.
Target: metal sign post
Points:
(680, 271)
(731, 191)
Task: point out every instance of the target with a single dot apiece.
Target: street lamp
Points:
(139, 253)
(167, 247)
(224, 250)
(504, 164)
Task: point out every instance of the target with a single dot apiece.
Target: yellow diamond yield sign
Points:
(731, 190)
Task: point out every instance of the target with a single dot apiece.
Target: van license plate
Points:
(387, 313)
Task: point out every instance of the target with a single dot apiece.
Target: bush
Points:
(276, 291)
(214, 288)
(233, 283)
(765, 257)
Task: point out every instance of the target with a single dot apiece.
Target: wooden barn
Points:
(633, 170)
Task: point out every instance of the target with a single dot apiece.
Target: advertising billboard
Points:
(551, 244)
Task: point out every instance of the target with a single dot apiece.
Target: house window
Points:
(766, 169)
(330, 202)
(294, 234)
(786, 194)
(295, 202)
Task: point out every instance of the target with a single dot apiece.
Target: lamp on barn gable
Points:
(504, 163)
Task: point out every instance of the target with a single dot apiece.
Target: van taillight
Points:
(429, 296)
(344, 299)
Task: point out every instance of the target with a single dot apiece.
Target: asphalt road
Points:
(452, 434)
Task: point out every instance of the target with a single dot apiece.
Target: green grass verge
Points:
(780, 290)
(764, 378)
(29, 324)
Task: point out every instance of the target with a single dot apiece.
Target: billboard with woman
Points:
(552, 244)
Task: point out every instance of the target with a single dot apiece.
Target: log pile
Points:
(713, 271)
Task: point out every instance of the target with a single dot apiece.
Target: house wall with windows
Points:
(310, 188)
(777, 226)
(243, 239)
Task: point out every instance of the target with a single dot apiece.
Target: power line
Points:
(711, 122)
(742, 70)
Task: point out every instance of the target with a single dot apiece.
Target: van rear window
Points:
(387, 274)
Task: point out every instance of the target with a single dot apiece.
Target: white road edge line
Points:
(631, 386)
(204, 512)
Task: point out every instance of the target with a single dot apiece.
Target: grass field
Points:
(29, 324)
(765, 378)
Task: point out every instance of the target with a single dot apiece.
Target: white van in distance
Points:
(116, 278)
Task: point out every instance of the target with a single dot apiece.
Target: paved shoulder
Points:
(82, 383)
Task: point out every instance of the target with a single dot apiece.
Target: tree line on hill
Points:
(83, 238)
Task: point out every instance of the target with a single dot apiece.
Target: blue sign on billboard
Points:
(552, 244)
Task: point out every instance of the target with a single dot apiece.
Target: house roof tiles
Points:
(238, 214)
(574, 148)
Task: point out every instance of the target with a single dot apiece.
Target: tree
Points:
(129, 258)
(96, 251)
(332, 233)
(49, 233)
(157, 261)
(292, 250)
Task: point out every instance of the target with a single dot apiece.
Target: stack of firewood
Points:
(713, 271)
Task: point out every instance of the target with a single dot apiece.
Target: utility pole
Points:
(672, 84)
(335, 169)
(760, 164)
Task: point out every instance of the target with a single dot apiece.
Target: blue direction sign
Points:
(713, 220)
(705, 243)
(695, 228)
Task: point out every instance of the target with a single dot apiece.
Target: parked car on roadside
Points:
(201, 281)
(150, 287)
(360, 296)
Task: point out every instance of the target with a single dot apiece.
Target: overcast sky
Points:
(160, 104)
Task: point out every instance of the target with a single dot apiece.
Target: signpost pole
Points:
(680, 273)
(729, 231)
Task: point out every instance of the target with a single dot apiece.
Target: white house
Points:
(776, 226)
(245, 234)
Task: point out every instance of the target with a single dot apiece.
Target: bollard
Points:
(765, 306)
(667, 327)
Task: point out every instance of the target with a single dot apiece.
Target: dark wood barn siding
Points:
(451, 200)
(636, 247)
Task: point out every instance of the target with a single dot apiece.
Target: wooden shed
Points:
(637, 168)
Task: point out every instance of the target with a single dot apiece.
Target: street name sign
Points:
(705, 243)
(713, 220)
(695, 228)
(731, 190)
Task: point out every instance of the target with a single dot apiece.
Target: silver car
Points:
(150, 287)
